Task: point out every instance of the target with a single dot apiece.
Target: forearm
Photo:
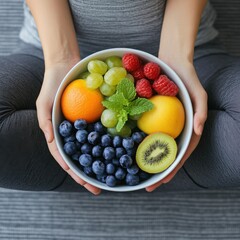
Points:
(179, 29)
(56, 30)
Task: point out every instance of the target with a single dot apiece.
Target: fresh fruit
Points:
(156, 152)
(113, 61)
(124, 132)
(79, 102)
(164, 86)
(83, 75)
(94, 80)
(144, 88)
(94, 138)
(167, 116)
(107, 90)
(70, 148)
(80, 124)
(132, 180)
(111, 181)
(130, 77)
(138, 74)
(81, 136)
(125, 161)
(97, 66)
(151, 70)
(65, 128)
(114, 75)
(106, 140)
(98, 167)
(109, 118)
(131, 62)
(85, 160)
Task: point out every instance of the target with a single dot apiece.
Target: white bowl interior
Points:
(183, 139)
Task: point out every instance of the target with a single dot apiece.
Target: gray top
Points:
(105, 24)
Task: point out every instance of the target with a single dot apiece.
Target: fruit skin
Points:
(151, 70)
(150, 148)
(65, 128)
(131, 62)
(79, 102)
(132, 180)
(144, 88)
(167, 116)
(164, 86)
(138, 74)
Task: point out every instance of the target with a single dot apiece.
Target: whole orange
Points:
(167, 116)
(80, 102)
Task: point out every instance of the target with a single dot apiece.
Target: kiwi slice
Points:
(156, 152)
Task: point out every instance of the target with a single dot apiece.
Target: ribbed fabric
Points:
(106, 24)
(117, 216)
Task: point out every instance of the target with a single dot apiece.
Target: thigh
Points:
(24, 157)
(216, 162)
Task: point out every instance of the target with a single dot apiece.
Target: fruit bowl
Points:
(182, 141)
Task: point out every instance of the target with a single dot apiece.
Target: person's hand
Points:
(52, 79)
(198, 96)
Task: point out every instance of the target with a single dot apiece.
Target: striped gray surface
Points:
(172, 215)
(138, 215)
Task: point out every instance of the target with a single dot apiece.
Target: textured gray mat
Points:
(173, 215)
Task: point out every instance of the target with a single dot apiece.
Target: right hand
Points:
(53, 76)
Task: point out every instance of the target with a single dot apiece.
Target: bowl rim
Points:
(189, 113)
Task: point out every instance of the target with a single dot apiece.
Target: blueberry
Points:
(98, 127)
(86, 148)
(111, 181)
(70, 138)
(144, 175)
(97, 151)
(108, 153)
(78, 145)
(88, 170)
(107, 161)
(81, 136)
(70, 148)
(117, 141)
(101, 178)
(120, 174)
(93, 137)
(110, 168)
(128, 143)
(125, 161)
(80, 124)
(76, 156)
(106, 140)
(131, 152)
(65, 128)
(98, 167)
(137, 137)
(132, 180)
(115, 162)
(134, 169)
(85, 160)
(120, 151)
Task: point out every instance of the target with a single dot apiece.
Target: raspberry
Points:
(151, 70)
(144, 88)
(131, 62)
(164, 86)
(138, 74)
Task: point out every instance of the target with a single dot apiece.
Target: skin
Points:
(61, 52)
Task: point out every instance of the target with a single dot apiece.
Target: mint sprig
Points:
(124, 102)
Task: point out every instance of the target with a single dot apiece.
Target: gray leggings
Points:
(25, 162)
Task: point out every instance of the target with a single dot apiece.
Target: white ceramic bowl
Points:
(183, 139)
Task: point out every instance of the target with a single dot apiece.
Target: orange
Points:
(167, 116)
(80, 102)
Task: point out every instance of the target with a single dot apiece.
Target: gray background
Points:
(201, 214)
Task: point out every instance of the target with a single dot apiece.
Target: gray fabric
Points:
(181, 215)
(105, 24)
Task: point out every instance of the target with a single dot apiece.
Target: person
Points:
(56, 34)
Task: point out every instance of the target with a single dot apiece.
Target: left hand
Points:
(198, 95)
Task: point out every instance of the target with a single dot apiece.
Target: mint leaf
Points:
(122, 119)
(112, 105)
(119, 98)
(126, 87)
(139, 106)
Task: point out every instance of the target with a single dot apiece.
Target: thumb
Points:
(45, 120)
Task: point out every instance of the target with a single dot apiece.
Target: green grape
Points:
(83, 75)
(94, 80)
(107, 90)
(130, 77)
(113, 61)
(109, 118)
(97, 66)
(114, 75)
(125, 131)
(135, 117)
